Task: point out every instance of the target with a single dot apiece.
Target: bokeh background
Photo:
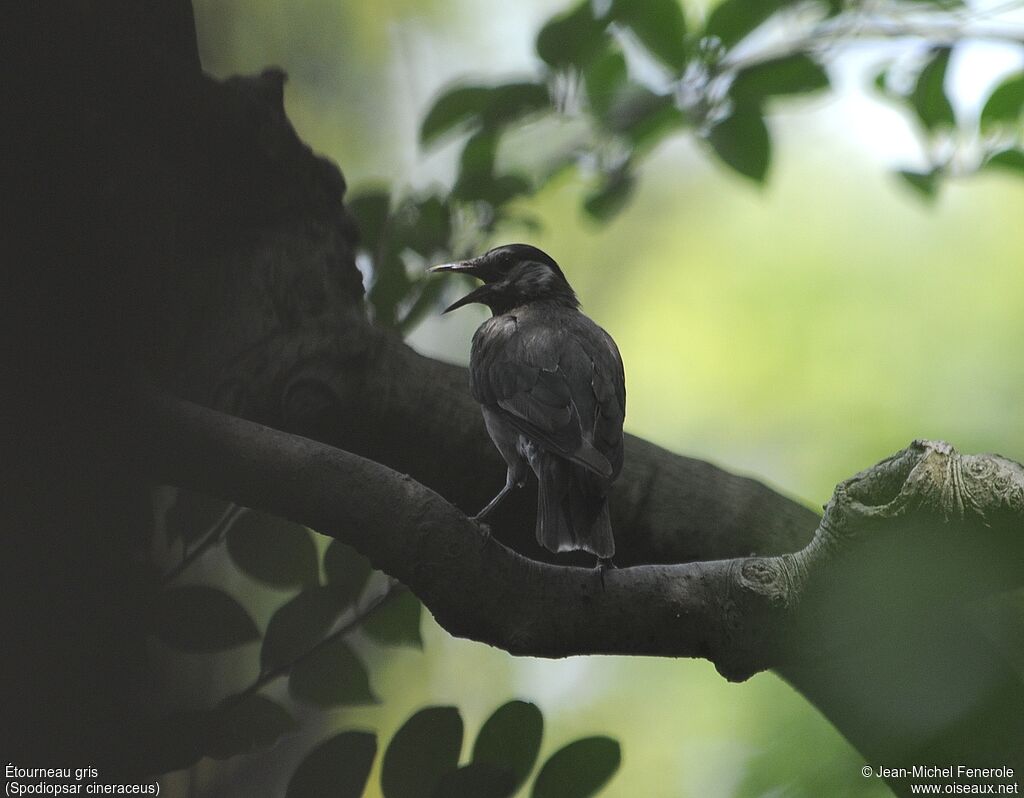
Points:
(796, 332)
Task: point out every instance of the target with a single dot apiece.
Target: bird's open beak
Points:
(462, 267)
(476, 295)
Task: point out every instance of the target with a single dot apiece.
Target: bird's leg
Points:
(604, 564)
(510, 482)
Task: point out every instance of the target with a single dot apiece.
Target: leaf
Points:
(604, 77)
(795, 74)
(924, 183)
(476, 165)
(512, 101)
(510, 738)
(253, 723)
(200, 619)
(731, 20)
(743, 143)
(453, 108)
(178, 739)
(370, 209)
(331, 676)
(929, 96)
(1006, 104)
(298, 625)
(337, 768)
(193, 515)
(273, 550)
(489, 106)
(578, 770)
(611, 197)
(658, 24)
(397, 621)
(347, 570)
(572, 39)
(1012, 160)
(390, 286)
(646, 117)
(477, 780)
(421, 752)
(430, 294)
(430, 228)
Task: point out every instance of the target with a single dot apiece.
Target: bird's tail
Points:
(572, 511)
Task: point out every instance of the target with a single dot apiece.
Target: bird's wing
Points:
(541, 381)
(609, 386)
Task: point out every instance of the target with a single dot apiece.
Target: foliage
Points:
(617, 79)
(311, 641)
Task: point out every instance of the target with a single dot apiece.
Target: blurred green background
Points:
(796, 332)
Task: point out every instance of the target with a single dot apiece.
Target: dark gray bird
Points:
(553, 394)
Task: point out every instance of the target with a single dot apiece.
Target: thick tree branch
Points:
(742, 614)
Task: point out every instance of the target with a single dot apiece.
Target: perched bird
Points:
(551, 386)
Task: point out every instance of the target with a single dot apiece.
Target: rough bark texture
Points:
(199, 239)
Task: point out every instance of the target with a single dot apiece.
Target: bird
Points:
(552, 389)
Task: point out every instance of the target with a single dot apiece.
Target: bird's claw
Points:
(485, 529)
(604, 564)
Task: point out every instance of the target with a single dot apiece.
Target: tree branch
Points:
(741, 614)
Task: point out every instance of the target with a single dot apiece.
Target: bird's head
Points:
(513, 275)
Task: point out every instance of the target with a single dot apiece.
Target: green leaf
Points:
(611, 196)
(731, 20)
(337, 768)
(794, 74)
(193, 515)
(390, 286)
(178, 739)
(397, 622)
(477, 180)
(1011, 160)
(511, 739)
(430, 227)
(658, 24)
(578, 770)
(427, 300)
(504, 188)
(272, 550)
(331, 676)
(253, 723)
(1006, 104)
(477, 780)
(929, 96)
(476, 165)
(924, 183)
(347, 570)
(646, 118)
(512, 101)
(298, 625)
(201, 619)
(490, 106)
(627, 108)
(371, 209)
(604, 77)
(572, 39)
(421, 752)
(743, 143)
(453, 108)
